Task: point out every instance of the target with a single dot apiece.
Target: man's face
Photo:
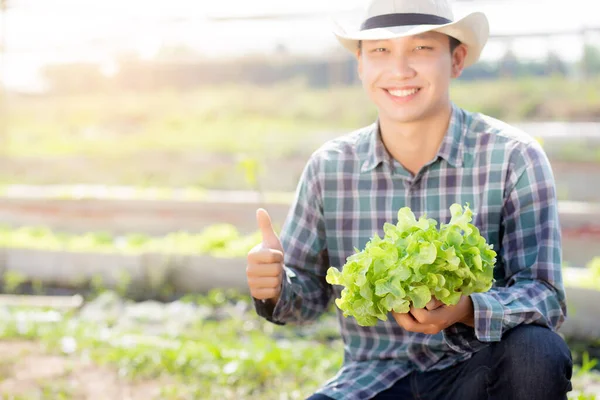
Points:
(408, 78)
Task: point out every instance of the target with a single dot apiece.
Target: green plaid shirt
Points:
(351, 186)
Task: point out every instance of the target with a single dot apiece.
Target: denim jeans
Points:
(529, 363)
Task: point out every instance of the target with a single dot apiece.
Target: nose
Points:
(402, 67)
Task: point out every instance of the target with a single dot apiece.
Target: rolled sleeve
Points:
(489, 317)
(305, 294)
(530, 290)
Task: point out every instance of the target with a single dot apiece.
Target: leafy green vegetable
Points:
(412, 263)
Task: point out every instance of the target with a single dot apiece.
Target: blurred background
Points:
(138, 138)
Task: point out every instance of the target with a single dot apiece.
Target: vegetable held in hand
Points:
(413, 262)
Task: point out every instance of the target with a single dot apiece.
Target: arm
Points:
(531, 291)
(305, 294)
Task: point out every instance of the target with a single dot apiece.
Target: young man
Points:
(426, 153)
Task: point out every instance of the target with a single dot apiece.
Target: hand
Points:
(436, 316)
(265, 262)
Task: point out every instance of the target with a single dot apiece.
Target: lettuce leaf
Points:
(412, 263)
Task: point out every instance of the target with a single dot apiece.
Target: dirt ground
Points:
(29, 372)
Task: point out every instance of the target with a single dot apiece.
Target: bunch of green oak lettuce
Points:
(413, 263)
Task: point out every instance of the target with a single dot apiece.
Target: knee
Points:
(533, 354)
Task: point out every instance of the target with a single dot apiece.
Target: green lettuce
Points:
(413, 263)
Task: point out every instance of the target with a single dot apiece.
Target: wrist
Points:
(469, 315)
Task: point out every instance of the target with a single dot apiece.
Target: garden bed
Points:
(209, 346)
(148, 275)
(579, 221)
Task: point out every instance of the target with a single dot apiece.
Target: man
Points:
(426, 153)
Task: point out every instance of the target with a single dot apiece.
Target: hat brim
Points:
(472, 30)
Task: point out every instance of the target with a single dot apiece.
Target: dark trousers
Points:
(529, 363)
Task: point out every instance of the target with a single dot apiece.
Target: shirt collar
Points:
(451, 148)
(376, 152)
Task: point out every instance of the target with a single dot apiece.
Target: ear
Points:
(458, 60)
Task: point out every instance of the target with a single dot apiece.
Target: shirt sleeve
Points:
(305, 294)
(531, 290)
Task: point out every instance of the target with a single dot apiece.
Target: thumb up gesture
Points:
(265, 262)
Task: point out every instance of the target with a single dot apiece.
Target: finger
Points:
(264, 283)
(264, 270)
(264, 294)
(421, 315)
(433, 304)
(443, 315)
(265, 256)
(269, 237)
(407, 322)
(438, 317)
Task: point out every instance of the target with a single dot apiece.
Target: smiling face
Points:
(408, 78)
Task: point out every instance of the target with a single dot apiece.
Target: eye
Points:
(379, 50)
(423, 48)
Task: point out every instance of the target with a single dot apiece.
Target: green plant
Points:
(413, 263)
(97, 285)
(123, 282)
(587, 364)
(37, 286)
(12, 281)
(589, 278)
(222, 240)
(582, 396)
(251, 167)
(594, 267)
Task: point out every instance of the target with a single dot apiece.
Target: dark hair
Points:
(454, 43)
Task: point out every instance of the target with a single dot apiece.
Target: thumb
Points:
(269, 237)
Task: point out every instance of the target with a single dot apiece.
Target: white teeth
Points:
(403, 93)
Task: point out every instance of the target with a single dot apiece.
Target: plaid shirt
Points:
(351, 186)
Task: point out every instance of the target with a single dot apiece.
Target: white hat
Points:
(388, 19)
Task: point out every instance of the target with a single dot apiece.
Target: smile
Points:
(402, 93)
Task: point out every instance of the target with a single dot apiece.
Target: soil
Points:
(28, 371)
